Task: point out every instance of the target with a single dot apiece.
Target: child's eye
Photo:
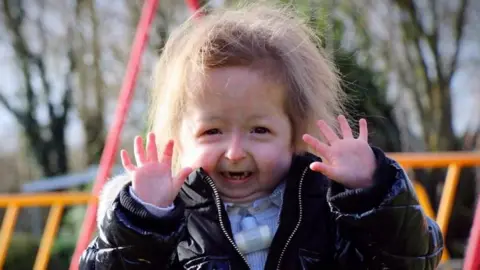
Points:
(260, 130)
(213, 131)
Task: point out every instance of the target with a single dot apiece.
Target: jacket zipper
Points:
(222, 225)
(300, 218)
(218, 204)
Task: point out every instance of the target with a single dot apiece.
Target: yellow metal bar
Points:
(48, 237)
(448, 197)
(422, 195)
(424, 199)
(447, 200)
(8, 226)
(432, 159)
(46, 199)
(454, 160)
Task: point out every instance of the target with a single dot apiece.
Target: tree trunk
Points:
(92, 86)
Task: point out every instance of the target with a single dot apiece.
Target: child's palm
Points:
(152, 179)
(350, 161)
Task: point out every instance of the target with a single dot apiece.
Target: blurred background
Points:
(411, 67)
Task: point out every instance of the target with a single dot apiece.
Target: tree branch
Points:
(411, 9)
(404, 67)
(418, 51)
(14, 17)
(39, 63)
(433, 41)
(416, 39)
(459, 29)
(99, 83)
(417, 98)
(37, 60)
(431, 38)
(80, 69)
(19, 115)
(68, 93)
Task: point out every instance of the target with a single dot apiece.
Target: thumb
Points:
(325, 169)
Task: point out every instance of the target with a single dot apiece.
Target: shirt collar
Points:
(275, 198)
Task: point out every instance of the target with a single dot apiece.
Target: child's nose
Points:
(235, 151)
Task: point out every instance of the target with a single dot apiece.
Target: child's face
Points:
(239, 133)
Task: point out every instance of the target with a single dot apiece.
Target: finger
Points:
(320, 148)
(180, 178)
(152, 153)
(167, 153)
(363, 130)
(139, 151)
(325, 169)
(327, 132)
(126, 162)
(345, 127)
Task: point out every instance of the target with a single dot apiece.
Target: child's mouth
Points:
(237, 176)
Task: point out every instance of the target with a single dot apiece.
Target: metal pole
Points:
(113, 137)
(472, 256)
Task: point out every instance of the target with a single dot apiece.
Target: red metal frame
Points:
(472, 255)
(113, 137)
(194, 6)
(472, 259)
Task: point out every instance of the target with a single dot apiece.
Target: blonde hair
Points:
(247, 35)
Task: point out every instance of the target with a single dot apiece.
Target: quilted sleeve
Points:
(132, 238)
(384, 226)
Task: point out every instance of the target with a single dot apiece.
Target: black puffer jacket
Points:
(322, 226)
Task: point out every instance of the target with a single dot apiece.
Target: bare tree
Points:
(38, 92)
(91, 84)
(419, 45)
(435, 69)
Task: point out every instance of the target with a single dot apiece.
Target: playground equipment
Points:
(454, 162)
(124, 103)
(58, 201)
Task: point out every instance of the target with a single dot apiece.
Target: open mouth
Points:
(236, 175)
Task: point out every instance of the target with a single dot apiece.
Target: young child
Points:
(258, 168)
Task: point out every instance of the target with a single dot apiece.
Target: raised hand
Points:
(152, 179)
(349, 161)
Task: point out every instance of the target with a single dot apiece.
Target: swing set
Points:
(453, 160)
